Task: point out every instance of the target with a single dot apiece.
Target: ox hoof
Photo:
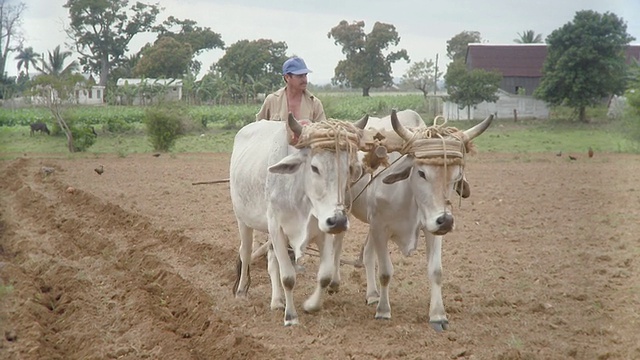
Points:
(440, 325)
(291, 322)
(311, 307)
(334, 287)
(383, 316)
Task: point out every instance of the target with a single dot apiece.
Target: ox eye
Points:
(315, 169)
(422, 174)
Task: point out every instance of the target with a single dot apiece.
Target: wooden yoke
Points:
(373, 139)
(377, 144)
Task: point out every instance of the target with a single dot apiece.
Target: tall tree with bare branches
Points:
(10, 30)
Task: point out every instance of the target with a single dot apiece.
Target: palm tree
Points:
(27, 57)
(528, 37)
(55, 65)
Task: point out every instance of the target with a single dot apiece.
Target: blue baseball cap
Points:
(295, 66)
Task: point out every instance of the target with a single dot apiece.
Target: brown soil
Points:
(138, 263)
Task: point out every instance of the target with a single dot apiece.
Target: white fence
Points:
(524, 107)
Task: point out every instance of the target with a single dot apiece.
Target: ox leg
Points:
(243, 280)
(369, 261)
(385, 272)
(325, 272)
(287, 272)
(437, 316)
(277, 297)
(334, 285)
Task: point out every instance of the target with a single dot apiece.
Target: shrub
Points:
(117, 125)
(83, 137)
(164, 124)
(632, 114)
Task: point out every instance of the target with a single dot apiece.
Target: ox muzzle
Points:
(444, 224)
(338, 223)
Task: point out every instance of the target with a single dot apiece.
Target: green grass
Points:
(16, 140)
(529, 136)
(547, 136)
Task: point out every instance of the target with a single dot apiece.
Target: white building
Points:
(526, 107)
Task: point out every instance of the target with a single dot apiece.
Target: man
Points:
(293, 97)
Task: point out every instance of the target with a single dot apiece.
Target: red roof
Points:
(517, 60)
(633, 51)
(521, 60)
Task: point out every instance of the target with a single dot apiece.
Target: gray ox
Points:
(295, 195)
(408, 197)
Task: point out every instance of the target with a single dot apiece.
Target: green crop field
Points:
(212, 128)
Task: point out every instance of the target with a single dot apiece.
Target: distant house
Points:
(148, 91)
(87, 93)
(520, 64)
(92, 95)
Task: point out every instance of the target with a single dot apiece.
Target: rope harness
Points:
(336, 136)
(440, 146)
(434, 145)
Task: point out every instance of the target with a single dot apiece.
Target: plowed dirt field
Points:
(139, 263)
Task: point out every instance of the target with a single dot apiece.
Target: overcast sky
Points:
(424, 26)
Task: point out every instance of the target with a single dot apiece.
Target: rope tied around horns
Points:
(332, 135)
(438, 145)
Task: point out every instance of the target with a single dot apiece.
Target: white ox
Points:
(408, 197)
(295, 195)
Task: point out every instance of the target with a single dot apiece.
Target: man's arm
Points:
(265, 110)
(318, 111)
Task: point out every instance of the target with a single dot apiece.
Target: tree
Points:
(10, 23)
(57, 89)
(365, 65)
(126, 67)
(421, 76)
(199, 38)
(102, 30)
(57, 85)
(585, 61)
(167, 58)
(55, 65)
(457, 45)
(528, 37)
(250, 62)
(27, 57)
(471, 87)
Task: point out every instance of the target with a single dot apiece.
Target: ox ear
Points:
(397, 176)
(289, 164)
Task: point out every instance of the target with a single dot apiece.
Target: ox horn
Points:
(402, 131)
(475, 131)
(360, 124)
(294, 125)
